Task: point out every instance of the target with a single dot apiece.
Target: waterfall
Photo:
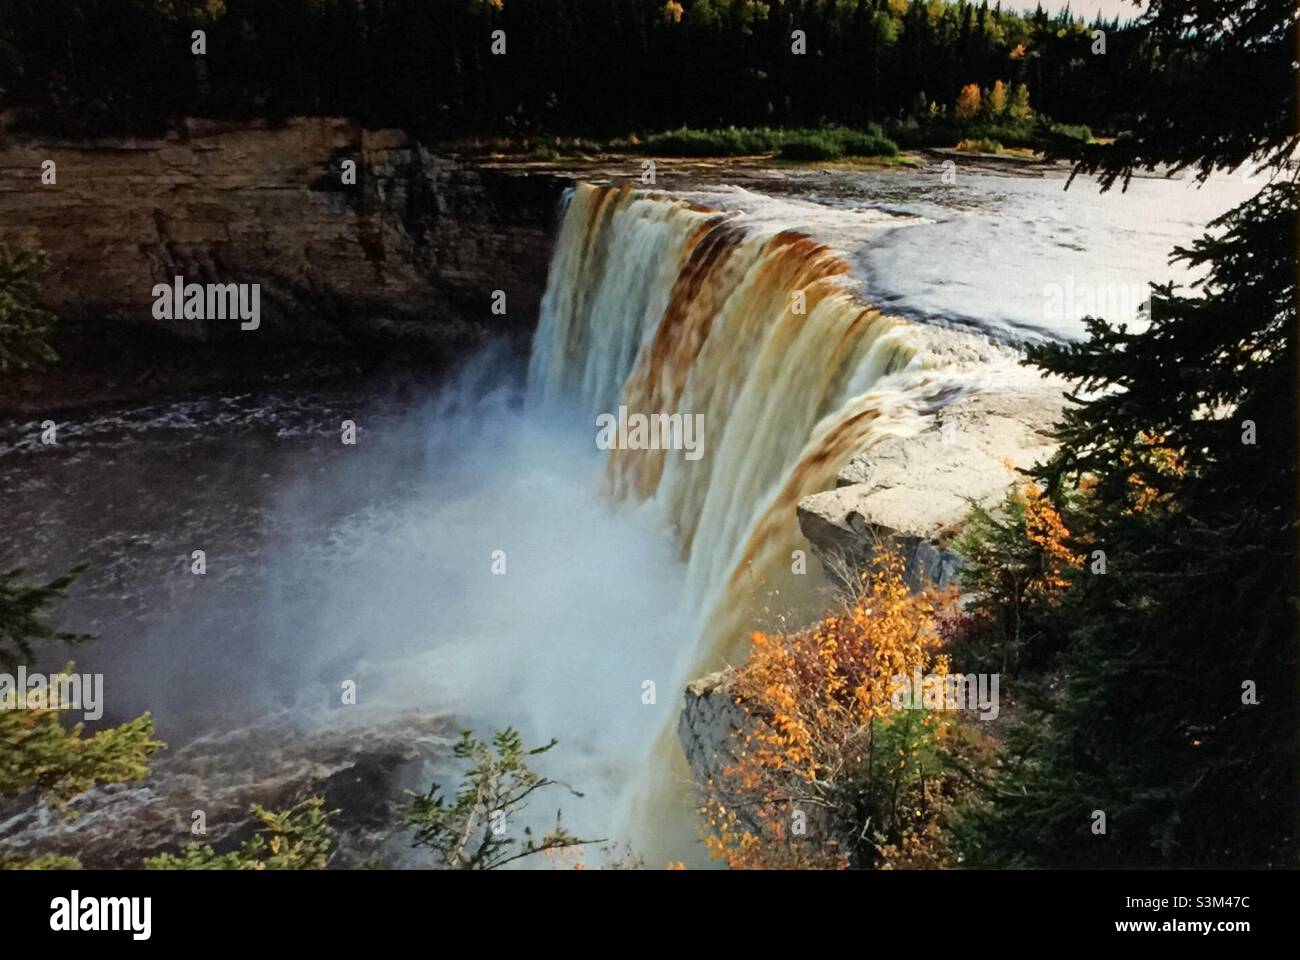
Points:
(662, 306)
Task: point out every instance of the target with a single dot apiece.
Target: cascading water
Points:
(664, 307)
(376, 563)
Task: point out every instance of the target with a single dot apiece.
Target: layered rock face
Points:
(412, 251)
(709, 718)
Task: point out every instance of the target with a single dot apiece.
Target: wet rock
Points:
(709, 717)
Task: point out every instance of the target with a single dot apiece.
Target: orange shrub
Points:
(968, 101)
(830, 773)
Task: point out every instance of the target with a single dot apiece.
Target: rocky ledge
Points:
(915, 491)
(710, 715)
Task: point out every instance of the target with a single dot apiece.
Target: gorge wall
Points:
(411, 252)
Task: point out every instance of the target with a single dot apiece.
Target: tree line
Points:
(575, 67)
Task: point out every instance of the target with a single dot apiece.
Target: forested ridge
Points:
(574, 67)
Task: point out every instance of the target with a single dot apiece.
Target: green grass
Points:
(829, 143)
(946, 132)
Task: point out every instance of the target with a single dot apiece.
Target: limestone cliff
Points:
(412, 251)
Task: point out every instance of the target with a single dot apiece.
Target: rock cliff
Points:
(710, 715)
(411, 252)
(913, 491)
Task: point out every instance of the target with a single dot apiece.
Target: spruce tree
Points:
(1175, 712)
(25, 325)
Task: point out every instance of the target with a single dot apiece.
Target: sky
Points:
(1125, 9)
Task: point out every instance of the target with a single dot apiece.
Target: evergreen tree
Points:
(471, 832)
(586, 67)
(24, 324)
(297, 838)
(1177, 715)
(23, 614)
(41, 756)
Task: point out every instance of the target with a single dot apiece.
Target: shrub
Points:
(868, 145)
(830, 772)
(1071, 132)
(298, 838)
(40, 755)
(1020, 558)
(968, 102)
(982, 145)
(1008, 132)
(1018, 108)
(468, 832)
(827, 143)
(817, 146)
(997, 102)
(727, 142)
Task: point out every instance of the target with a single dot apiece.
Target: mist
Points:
(465, 561)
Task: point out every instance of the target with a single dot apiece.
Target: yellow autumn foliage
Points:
(820, 702)
(998, 99)
(1158, 456)
(1047, 531)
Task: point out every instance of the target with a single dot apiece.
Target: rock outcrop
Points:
(709, 717)
(915, 491)
(411, 252)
